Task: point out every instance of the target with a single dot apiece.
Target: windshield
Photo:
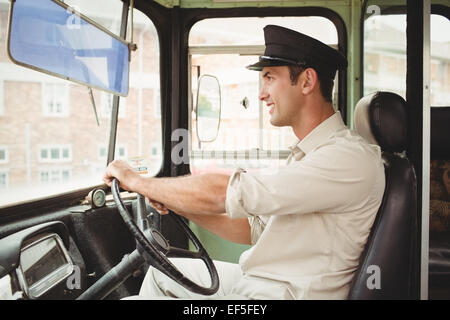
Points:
(50, 142)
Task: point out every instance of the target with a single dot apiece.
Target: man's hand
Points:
(123, 172)
(127, 177)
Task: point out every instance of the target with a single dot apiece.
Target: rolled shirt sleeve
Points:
(234, 203)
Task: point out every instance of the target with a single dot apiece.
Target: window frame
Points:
(193, 16)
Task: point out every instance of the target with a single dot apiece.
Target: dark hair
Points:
(325, 84)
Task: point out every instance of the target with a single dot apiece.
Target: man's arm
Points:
(200, 194)
(235, 230)
(200, 198)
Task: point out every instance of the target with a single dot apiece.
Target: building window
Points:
(372, 62)
(55, 153)
(102, 153)
(4, 156)
(4, 180)
(121, 152)
(155, 150)
(55, 100)
(60, 175)
(107, 103)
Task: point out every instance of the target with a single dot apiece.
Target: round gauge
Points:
(98, 198)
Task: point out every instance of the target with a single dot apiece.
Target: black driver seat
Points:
(391, 249)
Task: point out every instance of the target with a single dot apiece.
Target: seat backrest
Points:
(440, 171)
(440, 133)
(387, 268)
(439, 236)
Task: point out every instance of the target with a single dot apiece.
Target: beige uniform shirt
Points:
(311, 218)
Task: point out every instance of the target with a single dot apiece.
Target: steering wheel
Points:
(158, 250)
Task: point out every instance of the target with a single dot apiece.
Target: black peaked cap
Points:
(288, 47)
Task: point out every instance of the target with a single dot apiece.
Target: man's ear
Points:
(310, 81)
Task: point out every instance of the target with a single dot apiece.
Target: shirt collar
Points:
(318, 135)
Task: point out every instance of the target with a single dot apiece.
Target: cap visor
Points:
(267, 63)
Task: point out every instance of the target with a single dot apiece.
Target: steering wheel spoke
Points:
(183, 253)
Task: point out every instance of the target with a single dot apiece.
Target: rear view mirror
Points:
(50, 37)
(208, 108)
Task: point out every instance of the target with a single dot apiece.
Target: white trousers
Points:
(157, 285)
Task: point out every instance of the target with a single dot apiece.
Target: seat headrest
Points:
(381, 118)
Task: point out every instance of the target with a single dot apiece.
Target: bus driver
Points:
(308, 221)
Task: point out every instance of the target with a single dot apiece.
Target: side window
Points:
(440, 61)
(385, 56)
(384, 52)
(50, 141)
(246, 138)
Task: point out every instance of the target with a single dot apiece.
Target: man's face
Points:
(283, 98)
